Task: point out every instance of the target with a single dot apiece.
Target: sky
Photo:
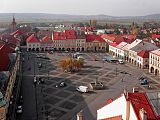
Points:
(82, 7)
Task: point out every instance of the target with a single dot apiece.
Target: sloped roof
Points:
(114, 38)
(66, 35)
(46, 39)
(157, 52)
(4, 62)
(4, 58)
(110, 37)
(144, 54)
(139, 101)
(154, 36)
(9, 39)
(144, 46)
(121, 45)
(32, 39)
(113, 44)
(17, 32)
(130, 37)
(94, 38)
(133, 44)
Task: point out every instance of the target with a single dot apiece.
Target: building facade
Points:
(33, 43)
(143, 59)
(154, 62)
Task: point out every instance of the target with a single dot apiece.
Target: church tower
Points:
(13, 24)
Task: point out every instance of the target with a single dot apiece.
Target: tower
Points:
(13, 24)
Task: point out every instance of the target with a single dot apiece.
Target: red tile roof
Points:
(68, 34)
(10, 39)
(154, 36)
(46, 39)
(94, 38)
(158, 44)
(32, 39)
(17, 32)
(86, 28)
(119, 39)
(113, 44)
(4, 61)
(144, 54)
(129, 38)
(114, 38)
(110, 37)
(139, 101)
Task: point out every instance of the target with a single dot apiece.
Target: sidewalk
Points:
(145, 72)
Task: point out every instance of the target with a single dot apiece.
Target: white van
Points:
(83, 89)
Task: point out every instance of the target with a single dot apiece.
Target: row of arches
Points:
(56, 49)
(154, 71)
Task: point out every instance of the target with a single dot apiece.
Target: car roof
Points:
(83, 87)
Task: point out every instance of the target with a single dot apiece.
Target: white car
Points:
(35, 80)
(120, 61)
(19, 109)
(83, 89)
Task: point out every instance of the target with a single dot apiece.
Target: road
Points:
(28, 89)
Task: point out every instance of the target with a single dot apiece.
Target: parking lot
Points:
(59, 103)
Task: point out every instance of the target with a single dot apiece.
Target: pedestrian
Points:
(122, 80)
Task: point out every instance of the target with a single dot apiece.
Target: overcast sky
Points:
(82, 7)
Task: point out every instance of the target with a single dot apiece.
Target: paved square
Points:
(56, 114)
(50, 90)
(68, 105)
(77, 98)
(52, 100)
(63, 94)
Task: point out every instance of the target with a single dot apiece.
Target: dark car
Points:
(62, 84)
(39, 65)
(41, 80)
(145, 82)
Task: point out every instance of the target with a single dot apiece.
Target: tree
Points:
(71, 65)
(117, 32)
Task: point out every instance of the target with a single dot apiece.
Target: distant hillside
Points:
(56, 17)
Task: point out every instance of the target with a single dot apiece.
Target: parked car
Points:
(39, 65)
(62, 84)
(19, 109)
(35, 80)
(41, 80)
(145, 82)
(120, 61)
(83, 89)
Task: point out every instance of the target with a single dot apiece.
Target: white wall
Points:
(116, 108)
(132, 113)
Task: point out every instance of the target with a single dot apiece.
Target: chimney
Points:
(80, 115)
(143, 114)
(135, 89)
(126, 94)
